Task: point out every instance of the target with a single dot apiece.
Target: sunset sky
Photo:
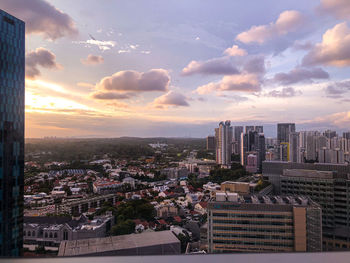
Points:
(113, 68)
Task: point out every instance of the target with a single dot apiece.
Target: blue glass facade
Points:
(12, 61)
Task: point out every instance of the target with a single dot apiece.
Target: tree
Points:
(184, 239)
(66, 188)
(123, 228)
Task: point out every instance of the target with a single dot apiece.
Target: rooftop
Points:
(288, 200)
(115, 243)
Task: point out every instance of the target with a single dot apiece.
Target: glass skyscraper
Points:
(12, 61)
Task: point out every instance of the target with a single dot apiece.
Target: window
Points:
(55, 235)
(65, 235)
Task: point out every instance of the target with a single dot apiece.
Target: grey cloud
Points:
(216, 66)
(338, 8)
(129, 83)
(40, 57)
(284, 93)
(92, 60)
(172, 98)
(300, 75)
(41, 17)
(338, 89)
(110, 96)
(255, 64)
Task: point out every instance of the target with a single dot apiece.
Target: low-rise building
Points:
(50, 231)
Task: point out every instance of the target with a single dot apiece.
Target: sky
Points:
(176, 68)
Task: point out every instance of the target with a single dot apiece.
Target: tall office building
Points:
(249, 128)
(259, 129)
(237, 131)
(12, 50)
(283, 131)
(346, 135)
(224, 138)
(211, 143)
(294, 149)
(330, 134)
(253, 143)
(326, 184)
(263, 224)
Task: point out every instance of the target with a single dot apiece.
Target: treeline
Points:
(85, 149)
(219, 175)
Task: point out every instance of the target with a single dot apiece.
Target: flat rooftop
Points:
(290, 200)
(117, 243)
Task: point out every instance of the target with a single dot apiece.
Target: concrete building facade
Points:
(263, 224)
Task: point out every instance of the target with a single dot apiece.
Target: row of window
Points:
(252, 216)
(263, 230)
(279, 244)
(254, 236)
(248, 222)
(46, 235)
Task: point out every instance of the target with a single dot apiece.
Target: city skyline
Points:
(175, 69)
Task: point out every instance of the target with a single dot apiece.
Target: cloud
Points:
(284, 93)
(171, 98)
(40, 57)
(288, 21)
(338, 120)
(100, 95)
(337, 89)
(121, 51)
(41, 17)
(298, 45)
(338, 8)
(101, 44)
(129, 83)
(92, 60)
(255, 64)
(235, 51)
(216, 66)
(242, 83)
(333, 50)
(300, 75)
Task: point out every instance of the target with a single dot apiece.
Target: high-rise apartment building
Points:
(12, 50)
(263, 224)
(224, 138)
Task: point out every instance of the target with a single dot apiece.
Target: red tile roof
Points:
(177, 219)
